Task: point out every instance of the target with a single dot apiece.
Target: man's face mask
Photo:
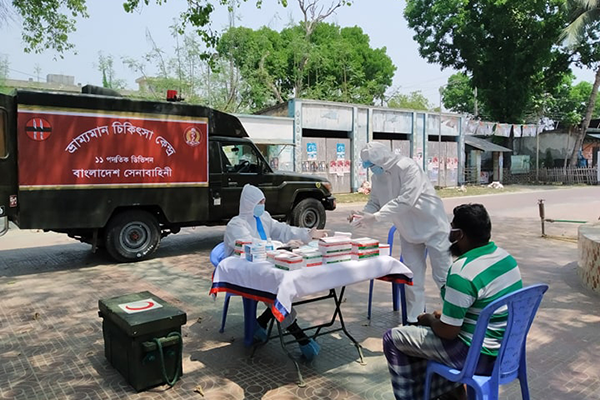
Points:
(455, 236)
(259, 209)
(375, 169)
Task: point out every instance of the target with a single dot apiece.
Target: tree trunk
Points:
(586, 121)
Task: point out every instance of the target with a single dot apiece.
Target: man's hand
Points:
(318, 233)
(441, 329)
(366, 221)
(352, 214)
(295, 243)
(425, 319)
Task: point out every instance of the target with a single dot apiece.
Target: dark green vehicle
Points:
(121, 174)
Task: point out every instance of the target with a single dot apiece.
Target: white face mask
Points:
(259, 209)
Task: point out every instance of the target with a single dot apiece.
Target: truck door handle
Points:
(232, 183)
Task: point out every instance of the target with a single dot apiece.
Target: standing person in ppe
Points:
(402, 193)
(254, 222)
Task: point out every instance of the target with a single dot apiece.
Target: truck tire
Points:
(132, 236)
(309, 213)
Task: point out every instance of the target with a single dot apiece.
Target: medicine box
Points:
(130, 325)
(335, 245)
(288, 261)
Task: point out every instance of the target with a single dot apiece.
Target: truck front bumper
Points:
(329, 203)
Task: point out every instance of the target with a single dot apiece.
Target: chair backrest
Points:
(391, 234)
(217, 254)
(521, 306)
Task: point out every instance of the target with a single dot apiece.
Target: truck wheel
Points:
(309, 213)
(132, 236)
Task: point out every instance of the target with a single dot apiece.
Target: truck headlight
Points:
(327, 185)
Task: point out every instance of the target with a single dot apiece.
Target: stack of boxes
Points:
(311, 257)
(331, 250)
(287, 261)
(335, 249)
(364, 248)
(239, 247)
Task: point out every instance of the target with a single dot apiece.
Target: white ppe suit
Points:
(244, 225)
(404, 195)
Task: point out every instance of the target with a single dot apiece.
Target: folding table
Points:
(261, 281)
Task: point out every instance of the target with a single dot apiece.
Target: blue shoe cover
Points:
(260, 333)
(310, 350)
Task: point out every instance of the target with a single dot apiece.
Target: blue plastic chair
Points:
(511, 363)
(217, 254)
(398, 293)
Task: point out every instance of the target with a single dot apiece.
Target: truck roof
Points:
(219, 123)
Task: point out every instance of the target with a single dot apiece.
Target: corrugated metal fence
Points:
(567, 176)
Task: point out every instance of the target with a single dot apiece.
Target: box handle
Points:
(171, 339)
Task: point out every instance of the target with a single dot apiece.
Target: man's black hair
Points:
(474, 221)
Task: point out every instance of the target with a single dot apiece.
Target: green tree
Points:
(583, 36)
(48, 24)
(4, 64)
(459, 96)
(507, 47)
(334, 64)
(412, 101)
(106, 68)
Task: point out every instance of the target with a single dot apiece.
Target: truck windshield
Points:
(3, 133)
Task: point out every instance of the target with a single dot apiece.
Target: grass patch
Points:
(443, 193)
(474, 191)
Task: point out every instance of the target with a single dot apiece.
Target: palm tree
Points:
(585, 15)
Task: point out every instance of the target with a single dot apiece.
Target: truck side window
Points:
(3, 133)
(240, 158)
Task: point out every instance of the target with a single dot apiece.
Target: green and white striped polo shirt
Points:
(475, 279)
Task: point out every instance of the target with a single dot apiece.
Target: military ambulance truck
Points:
(121, 174)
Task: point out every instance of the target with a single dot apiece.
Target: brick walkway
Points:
(51, 344)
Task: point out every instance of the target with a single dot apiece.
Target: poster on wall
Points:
(311, 151)
(341, 151)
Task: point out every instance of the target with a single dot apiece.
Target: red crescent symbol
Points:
(147, 306)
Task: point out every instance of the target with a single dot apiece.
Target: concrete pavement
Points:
(51, 344)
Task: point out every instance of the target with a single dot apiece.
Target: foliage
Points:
(411, 101)
(48, 24)
(506, 46)
(583, 13)
(334, 64)
(584, 35)
(4, 64)
(567, 105)
(459, 96)
(210, 82)
(106, 68)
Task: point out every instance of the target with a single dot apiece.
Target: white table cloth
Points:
(263, 282)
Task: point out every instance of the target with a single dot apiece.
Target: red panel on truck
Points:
(75, 148)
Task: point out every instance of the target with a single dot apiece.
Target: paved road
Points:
(51, 344)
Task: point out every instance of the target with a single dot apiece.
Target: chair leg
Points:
(224, 317)
(523, 384)
(395, 292)
(427, 388)
(370, 299)
(249, 320)
(403, 302)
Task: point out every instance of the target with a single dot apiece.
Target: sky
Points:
(113, 32)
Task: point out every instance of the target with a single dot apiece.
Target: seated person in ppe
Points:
(402, 193)
(254, 222)
(481, 273)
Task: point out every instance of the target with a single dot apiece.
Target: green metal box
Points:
(142, 338)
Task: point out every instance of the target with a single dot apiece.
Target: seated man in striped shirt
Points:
(481, 273)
